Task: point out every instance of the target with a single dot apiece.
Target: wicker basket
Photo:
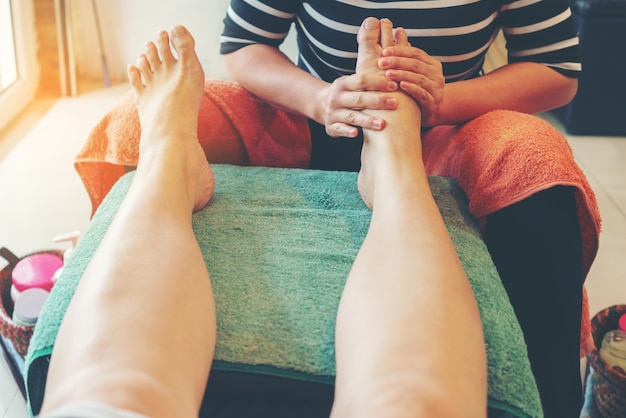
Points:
(609, 386)
(17, 333)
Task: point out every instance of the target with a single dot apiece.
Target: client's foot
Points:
(394, 152)
(168, 91)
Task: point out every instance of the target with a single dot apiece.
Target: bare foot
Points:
(397, 148)
(168, 90)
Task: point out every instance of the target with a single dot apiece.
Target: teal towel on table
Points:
(279, 244)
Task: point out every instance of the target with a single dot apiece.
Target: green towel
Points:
(279, 244)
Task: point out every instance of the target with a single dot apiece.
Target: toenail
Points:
(371, 23)
(178, 31)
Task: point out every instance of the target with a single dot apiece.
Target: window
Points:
(8, 66)
(18, 66)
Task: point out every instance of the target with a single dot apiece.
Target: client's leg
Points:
(139, 333)
(406, 289)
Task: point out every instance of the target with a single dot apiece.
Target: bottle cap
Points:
(622, 323)
(28, 305)
(71, 237)
(36, 271)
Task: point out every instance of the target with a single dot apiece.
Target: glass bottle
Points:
(613, 350)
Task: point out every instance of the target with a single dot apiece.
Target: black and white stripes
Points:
(456, 32)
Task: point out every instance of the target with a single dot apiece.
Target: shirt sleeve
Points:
(257, 22)
(543, 32)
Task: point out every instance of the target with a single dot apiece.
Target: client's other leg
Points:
(406, 288)
(139, 333)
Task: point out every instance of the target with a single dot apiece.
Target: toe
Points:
(163, 46)
(386, 33)
(401, 37)
(153, 55)
(369, 32)
(134, 77)
(144, 67)
(182, 41)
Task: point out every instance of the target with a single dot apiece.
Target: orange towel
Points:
(503, 157)
(234, 127)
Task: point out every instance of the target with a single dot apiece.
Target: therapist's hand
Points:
(340, 103)
(418, 74)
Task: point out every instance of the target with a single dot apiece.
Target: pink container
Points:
(19, 334)
(622, 323)
(36, 271)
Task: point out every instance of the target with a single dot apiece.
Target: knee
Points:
(510, 128)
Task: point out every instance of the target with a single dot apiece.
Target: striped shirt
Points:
(455, 32)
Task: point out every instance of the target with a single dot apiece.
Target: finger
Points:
(386, 33)
(338, 130)
(421, 80)
(356, 118)
(409, 51)
(408, 64)
(368, 82)
(422, 96)
(366, 100)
